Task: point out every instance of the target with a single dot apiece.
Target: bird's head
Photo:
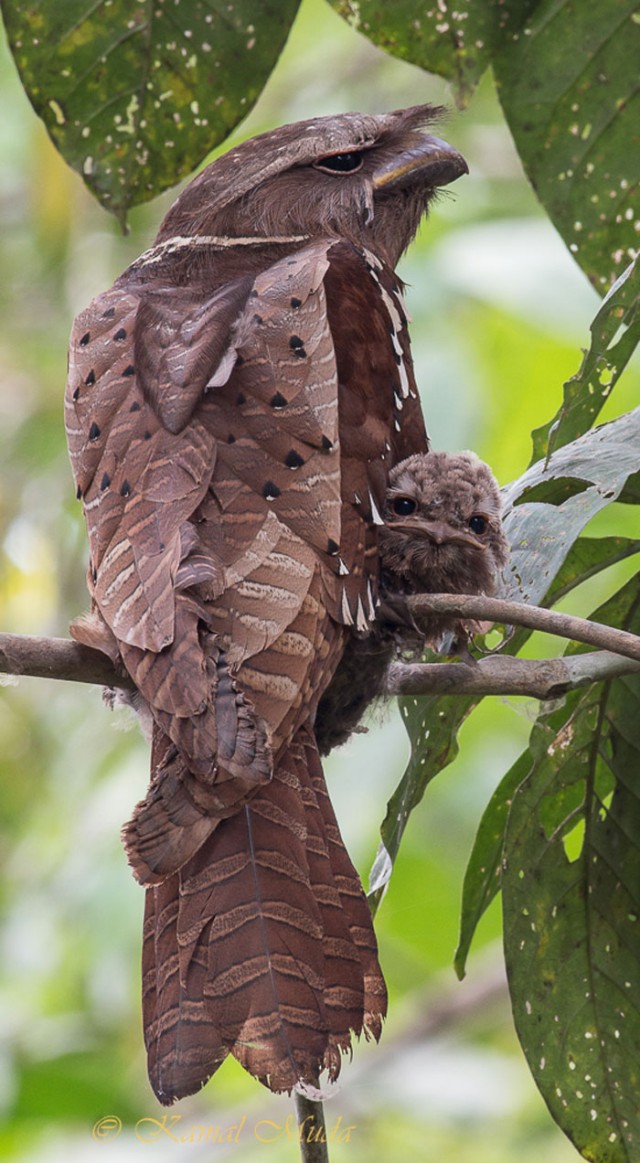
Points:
(443, 527)
(356, 176)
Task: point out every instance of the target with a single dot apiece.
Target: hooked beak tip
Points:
(431, 160)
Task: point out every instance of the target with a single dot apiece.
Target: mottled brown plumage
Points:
(442, 533)
(234, 405)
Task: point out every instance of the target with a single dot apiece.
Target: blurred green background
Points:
(500, 312)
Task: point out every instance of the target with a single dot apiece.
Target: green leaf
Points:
(456, 41)
(135, 95)
(630, 494)
(482, 877)
(571, 899)
(568, 85)
(587, 557)
(542, 533)
(432, 725)
(587, 391)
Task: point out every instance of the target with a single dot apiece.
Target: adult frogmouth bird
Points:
(234, 406)
(442, 533)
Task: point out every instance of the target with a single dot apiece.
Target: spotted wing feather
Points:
(245, 546)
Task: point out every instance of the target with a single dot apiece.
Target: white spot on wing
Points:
(375, 512)
(372, 609)
(347, 616)
(361, 618)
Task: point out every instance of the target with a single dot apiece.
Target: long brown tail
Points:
(262, 944)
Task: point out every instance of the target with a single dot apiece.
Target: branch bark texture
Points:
(61, 658)
(534, 617)
(618, 654)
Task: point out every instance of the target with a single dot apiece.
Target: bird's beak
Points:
(428, 161)
(439, 532)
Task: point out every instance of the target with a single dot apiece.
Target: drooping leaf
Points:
(586, 392)
(587, 557)
(456, 41)
(571, 899)
(135, 95)
(568, 85)
(432, 725)
(482, 876)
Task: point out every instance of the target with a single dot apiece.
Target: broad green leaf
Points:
(586, 392)
(571, 899)
(588, 556)
(542, 533)
(432, 725)
(568, 85)
(134, 95)
(457, 41)
(482, 877)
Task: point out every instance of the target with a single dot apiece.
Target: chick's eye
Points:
(340, 163)
(478, 524)
(404, 506)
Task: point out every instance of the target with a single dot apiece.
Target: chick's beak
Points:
(438, 532)
(428, 161)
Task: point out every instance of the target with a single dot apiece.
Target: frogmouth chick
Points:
(442, 533)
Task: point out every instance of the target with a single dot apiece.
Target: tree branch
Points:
(534, 617)
(619, 654)
(61, 658)
(546, 679)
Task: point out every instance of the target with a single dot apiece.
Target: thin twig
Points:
(312, 1130)
(534, 617)
(504, 675)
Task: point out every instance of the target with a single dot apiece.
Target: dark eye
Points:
(340, 163)
(404, 506)
(478, 524)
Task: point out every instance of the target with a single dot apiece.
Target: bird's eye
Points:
(478, 524)
(340, 163)
(404, 506)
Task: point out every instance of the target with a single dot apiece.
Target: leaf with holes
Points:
(571, 900)
(568, 85)
(587, 557)
(615, 334)
(135, 95)
(456, 40)
(549, 506)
